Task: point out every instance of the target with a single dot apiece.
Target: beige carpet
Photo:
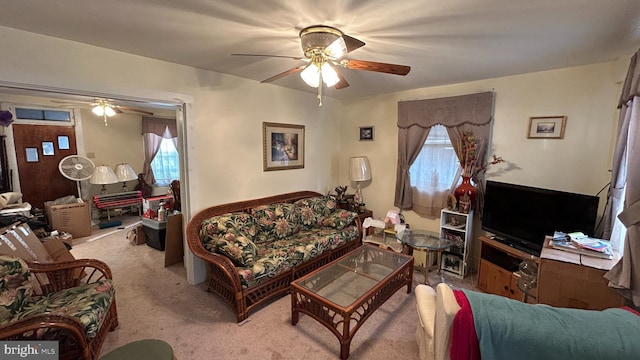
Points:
(157, 302)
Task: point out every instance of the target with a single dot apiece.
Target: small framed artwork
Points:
(366, 133)
(452, 263)
(282, 146)
(546, 127)
(47, 148)
(32, 154)
(63, 142)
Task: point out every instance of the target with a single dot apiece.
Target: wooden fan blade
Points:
(283, 74)
(343, 82)
(276, 56)
(352, 43)
(134, 110)
(376, 66)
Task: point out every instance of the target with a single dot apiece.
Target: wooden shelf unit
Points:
(498, 268)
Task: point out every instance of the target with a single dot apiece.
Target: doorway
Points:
(181, 103)
(38, 150)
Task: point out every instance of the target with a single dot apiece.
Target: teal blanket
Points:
(509, 329)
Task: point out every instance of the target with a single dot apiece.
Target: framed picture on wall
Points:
(32, 154)
(47, 148)
(366, 133)
(282, 146)
(546, 127)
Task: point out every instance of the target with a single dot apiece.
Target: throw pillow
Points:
(315, 209)
(237, 247)
(15, 286)
(322, 205)
(339, 219)
(239, 223)
(278, 220)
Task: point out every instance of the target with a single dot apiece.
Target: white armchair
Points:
(436, 310)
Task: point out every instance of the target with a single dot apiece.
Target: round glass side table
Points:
(429, 242)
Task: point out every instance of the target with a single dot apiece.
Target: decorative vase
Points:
(465, 188)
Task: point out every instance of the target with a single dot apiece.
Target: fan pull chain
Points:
(104, 116)
(320, 84)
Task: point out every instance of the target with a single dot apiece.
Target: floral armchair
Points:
(71, 302)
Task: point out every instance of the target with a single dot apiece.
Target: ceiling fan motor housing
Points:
(315, 39)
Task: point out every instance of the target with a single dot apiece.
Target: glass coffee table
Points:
(344, 293)
(429, 242)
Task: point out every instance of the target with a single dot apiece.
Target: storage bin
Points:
(155, 233)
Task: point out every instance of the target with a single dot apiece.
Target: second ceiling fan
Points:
(324, 49)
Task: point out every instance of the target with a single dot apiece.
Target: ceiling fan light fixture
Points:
(310, 75)
(108, 110)
(337, 49)
(329, 75)
(98, 110)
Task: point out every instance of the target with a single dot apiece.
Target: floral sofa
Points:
(71, 302)
(255, 248)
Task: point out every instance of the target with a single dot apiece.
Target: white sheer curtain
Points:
(433, 171)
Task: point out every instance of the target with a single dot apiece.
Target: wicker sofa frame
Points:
(67, 330)
(224, 280)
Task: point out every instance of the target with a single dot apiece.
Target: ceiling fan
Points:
(324, 48)
(104, 107)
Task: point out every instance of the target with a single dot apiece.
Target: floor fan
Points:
(76, 168)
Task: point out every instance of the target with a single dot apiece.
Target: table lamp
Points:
(359, 171)
(103, 175)
(125, 173)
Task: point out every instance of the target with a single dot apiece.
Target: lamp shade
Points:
(103, 175)
(359, 168)
(125, 172)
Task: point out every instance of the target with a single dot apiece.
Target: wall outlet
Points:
(91, 155)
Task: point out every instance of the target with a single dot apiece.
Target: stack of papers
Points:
(582, 244)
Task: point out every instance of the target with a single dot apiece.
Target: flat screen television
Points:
(521, 216)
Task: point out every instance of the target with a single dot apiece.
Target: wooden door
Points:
(40, 179)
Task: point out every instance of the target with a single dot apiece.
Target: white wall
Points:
(587, 95)
(224, 127)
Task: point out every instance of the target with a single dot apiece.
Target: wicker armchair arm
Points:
(30, 328)
(54, 277)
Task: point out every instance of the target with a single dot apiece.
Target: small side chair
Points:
(72, 302)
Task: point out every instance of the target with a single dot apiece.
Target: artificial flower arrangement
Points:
(471, 150)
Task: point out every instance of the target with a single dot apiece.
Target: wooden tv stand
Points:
(498, 267)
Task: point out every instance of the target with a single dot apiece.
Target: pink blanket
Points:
(464, 342)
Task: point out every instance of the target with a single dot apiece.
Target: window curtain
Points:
(625, 275)
(415, 119)
(153, 130)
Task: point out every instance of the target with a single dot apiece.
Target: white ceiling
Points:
(444, 42)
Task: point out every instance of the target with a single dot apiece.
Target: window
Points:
(436, 165)
(39, 114)
(166, 165)
(433, 172)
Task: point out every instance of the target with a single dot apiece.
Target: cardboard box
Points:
(19, 240)
(72, 218)
(576, 281)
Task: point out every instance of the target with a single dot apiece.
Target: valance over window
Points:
(416, 117)
(157, 126)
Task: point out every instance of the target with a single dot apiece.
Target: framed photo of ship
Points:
(546, 127)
